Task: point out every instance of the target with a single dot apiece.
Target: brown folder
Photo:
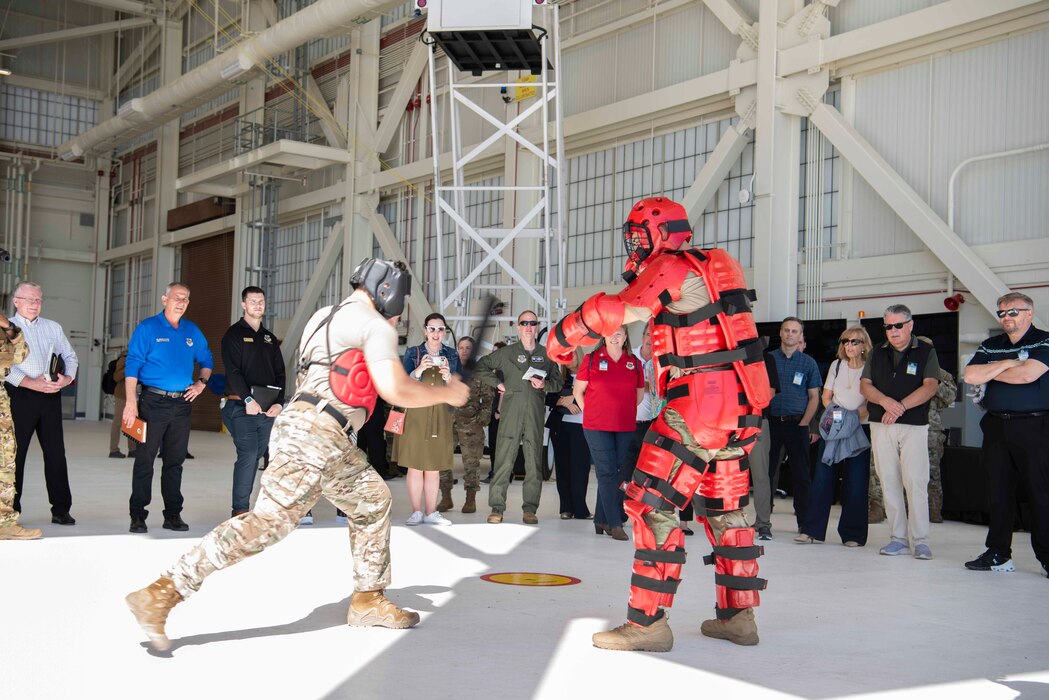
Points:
(136, 432)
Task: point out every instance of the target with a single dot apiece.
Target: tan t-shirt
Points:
(355, 326)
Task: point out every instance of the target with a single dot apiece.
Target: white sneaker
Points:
(415, 518)
(436, 518)
(342, 520)
(306, 519)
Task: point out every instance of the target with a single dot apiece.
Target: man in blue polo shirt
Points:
(792, 408)
(161, 355)
(1013, 367)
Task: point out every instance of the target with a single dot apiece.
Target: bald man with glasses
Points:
(1012, 368)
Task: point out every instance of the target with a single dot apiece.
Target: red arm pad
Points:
(603, 314)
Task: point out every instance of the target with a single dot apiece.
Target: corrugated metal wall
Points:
(859, 13)
(927, 118)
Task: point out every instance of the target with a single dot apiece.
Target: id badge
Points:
(603, 365)
(839, 416)
(798, 378)
(912, 368)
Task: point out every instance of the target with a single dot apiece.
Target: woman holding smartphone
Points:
(426, 445)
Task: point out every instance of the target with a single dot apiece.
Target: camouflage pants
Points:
(8, 516)
(936, 443)
(309, 457)
(470, 435)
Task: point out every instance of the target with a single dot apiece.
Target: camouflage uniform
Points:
(945, 393)
(470, 420)
(12, 352)
(313, 457)
(875, 504)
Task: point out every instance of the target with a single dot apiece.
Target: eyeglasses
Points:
(1011, 313)
(851, 341)
(32, 302)
(897, 326)
(528, 323)
(434, 329)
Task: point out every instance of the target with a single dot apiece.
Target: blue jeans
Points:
(609, 451)
(855, 473)
(251, 436)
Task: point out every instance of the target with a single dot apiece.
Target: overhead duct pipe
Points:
(139, 115)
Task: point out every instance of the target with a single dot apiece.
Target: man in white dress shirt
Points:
(36, 401)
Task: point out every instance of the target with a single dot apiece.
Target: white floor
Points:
(835, 622)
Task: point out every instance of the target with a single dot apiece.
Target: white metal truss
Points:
(481, 251)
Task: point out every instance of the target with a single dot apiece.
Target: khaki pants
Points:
(901, 458)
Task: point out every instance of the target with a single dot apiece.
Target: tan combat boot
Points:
(446, 500)
(630, 637)
(17, 532)
(373, 609)
(151, 606)
(739, 629)
(471, 501)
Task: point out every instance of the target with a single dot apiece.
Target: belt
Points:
(786, 419)
(165, 394)
(1013, 416)
(233, 397)
(323, 405)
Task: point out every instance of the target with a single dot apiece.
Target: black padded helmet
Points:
(388, 284)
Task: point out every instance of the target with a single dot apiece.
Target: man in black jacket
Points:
(252, 358)
(898, 381)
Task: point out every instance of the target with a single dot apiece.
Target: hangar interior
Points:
(851, 153)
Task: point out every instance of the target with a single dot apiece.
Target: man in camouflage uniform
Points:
(13, 351)
(945, 393)
(313, 453)
(470, 421)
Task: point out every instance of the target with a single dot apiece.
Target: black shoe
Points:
(487, 479)
(174, 522)
(764, 533)
(138, 525)
(687, 530)
(130, 454)
(63, 519)
(189, 456)
(990, 561)
(116, 454)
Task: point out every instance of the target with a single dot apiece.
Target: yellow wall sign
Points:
(528, 578)
(523, 93)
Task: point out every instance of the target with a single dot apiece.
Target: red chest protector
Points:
(348, 373)
(721, 335)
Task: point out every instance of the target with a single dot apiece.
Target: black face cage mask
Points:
(387, 284)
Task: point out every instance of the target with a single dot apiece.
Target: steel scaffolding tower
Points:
(521, 43)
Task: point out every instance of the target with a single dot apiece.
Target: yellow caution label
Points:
(530, 578)
(523, 93)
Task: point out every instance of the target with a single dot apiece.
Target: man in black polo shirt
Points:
(1012, 367)
(252, 359)
(898, 381)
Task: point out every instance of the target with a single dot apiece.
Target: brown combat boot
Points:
(739, 629)
(373, 609)
(151, 606)
(17, 532)
(446, 500)
(630, 637)
(471, 501)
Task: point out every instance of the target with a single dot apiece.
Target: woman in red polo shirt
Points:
(612, 382)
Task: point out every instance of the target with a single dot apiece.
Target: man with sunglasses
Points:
(898, 381)
(522, 410)
(1012, 367)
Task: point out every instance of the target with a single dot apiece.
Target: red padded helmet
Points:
(655, 225)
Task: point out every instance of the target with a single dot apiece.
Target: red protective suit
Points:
(710, 370)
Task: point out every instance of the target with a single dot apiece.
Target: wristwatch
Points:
(248, 399)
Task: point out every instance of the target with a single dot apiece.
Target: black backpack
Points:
(109, 382)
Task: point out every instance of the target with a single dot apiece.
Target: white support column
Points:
(361, 119)
(776, 167)
(944, 243)
(167, 158)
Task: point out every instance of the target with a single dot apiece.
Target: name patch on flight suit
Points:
(538, 358)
